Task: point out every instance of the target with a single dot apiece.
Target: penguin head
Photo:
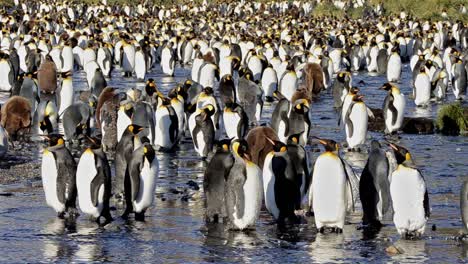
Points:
(209, 110)
(278, 146)
(66, 75)
(92, 142)
(150, 87)
(278, 95)
(402, 155)
(227, 77)
(428, 64)
(353, 90)
(135, 129)
(329, 144)
(223, 145)
(386, 87)
(55, 140)
(358, 98)
(240, 148)
(294, 139)
(148, 150)
(301, 106)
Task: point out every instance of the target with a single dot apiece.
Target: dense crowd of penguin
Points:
(241, 55)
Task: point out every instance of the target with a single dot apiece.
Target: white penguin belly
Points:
(399, 104)
(49, 181)
(423, 90)
(288, 85)
(140, 65)
(269, 186)
(163, 122)
(67, 56)
(85, 173)
(329, 192)
(253, 195)
(269, 81)
(231, 121)
(394, 68)
(407, 190)
(128, 60)
(148, 176)
(166, 65)
(123, 121)
(359, 118)
(66, 96)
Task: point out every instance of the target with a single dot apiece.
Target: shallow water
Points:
(175, 231)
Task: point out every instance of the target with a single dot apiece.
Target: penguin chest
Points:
(85, 174)
(358, 117)
(231, 122)
(255, 65)
(67, 57)
(225, 67)
(399, 104)
(407, 190)
(49, 181)
(128, 60)
(166, 61)
(146, 192)
(269, 181)
(140, 65)
(253, 195)
(195, 69)
(329, 191)
(66, 95)
(394, 68)
(269, 81)
(163, 124)
(289, 85)
(179, 109)
(423, 90)
(5, 71)
(123, 121)
(207, 76)
(347, 101)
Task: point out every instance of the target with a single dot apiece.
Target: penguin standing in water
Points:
(374, 186)
(227, 89)
(459, 79)
(94, 183)
(140, 64)
(59, 177)
(243, 189)
(393, 108)
(98, 83)
(127, 58)
(281, 185)
(202, 130)
(300, 161)
(356, 121)
(346, 103)
(168, 59)
(236, 122)
(439, 84)
(464, 205)
(123, 153)
(216, 173)
(65, 94)
(331, 193)
(166, 126)
(143, 170)
(394, 66)
(422, 89)
(280, 117)
(410, 199)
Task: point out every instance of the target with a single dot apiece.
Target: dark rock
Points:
(174, 191)
(193, 185)
(411, 125)
(6, 194)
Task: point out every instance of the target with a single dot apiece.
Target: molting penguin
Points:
(422, 89)
(410, 199)
(143, 170)
(243, 190)
(394, 65)
(47, 76)
(393, 108)
(313, 79)
(259, 145)
(331, 193)
(250, 97)
(106, 117)
(59, 176)
(281, 185)
(94, 183)
(65, 94)
(202, 130)
(356, 122)
(235, 121)
(16, 116)
(214, 181)
(123, 153)
(166, 126)
(374, 186)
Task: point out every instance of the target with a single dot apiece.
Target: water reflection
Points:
(414, 251)
(55, 244)
(328, 248)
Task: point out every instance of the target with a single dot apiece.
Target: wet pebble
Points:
(394, 250)
(193, 185)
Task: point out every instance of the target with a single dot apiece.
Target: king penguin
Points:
(331, 193)
(227, 89)
(94, 182)
(59, 176)
(124, 117)
(168, 60)
(422, 89)
(280, 117)
(393, 108)
(300, 160)
(65, 93)
(166, 126)
(202, 130)
(459, 79)
(356, 121)
(281, 185)
(410, 198)
(269, 82)
(143, 171)
(214, 182)
(235, 120)
(394, 65)
(299, 120)
(244, 190)
(374, 186)
(47, 117)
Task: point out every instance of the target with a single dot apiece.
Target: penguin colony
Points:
(241, 56)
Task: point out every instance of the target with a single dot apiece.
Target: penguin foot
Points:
(140, 217)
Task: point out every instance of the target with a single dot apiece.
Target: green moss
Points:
(452, 119)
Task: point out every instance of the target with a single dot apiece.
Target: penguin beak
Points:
(392, 146)
(270, 140)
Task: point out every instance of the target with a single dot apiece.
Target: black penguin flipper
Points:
(392, 108)
(200, 71)
(285, 119)
(307, 173)
(96, 184)
(196, 130)
(427, 210)
(174, 127)
(348, 121)
(368, 196)
(11, 75)
(134, 168)
(241, 126)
